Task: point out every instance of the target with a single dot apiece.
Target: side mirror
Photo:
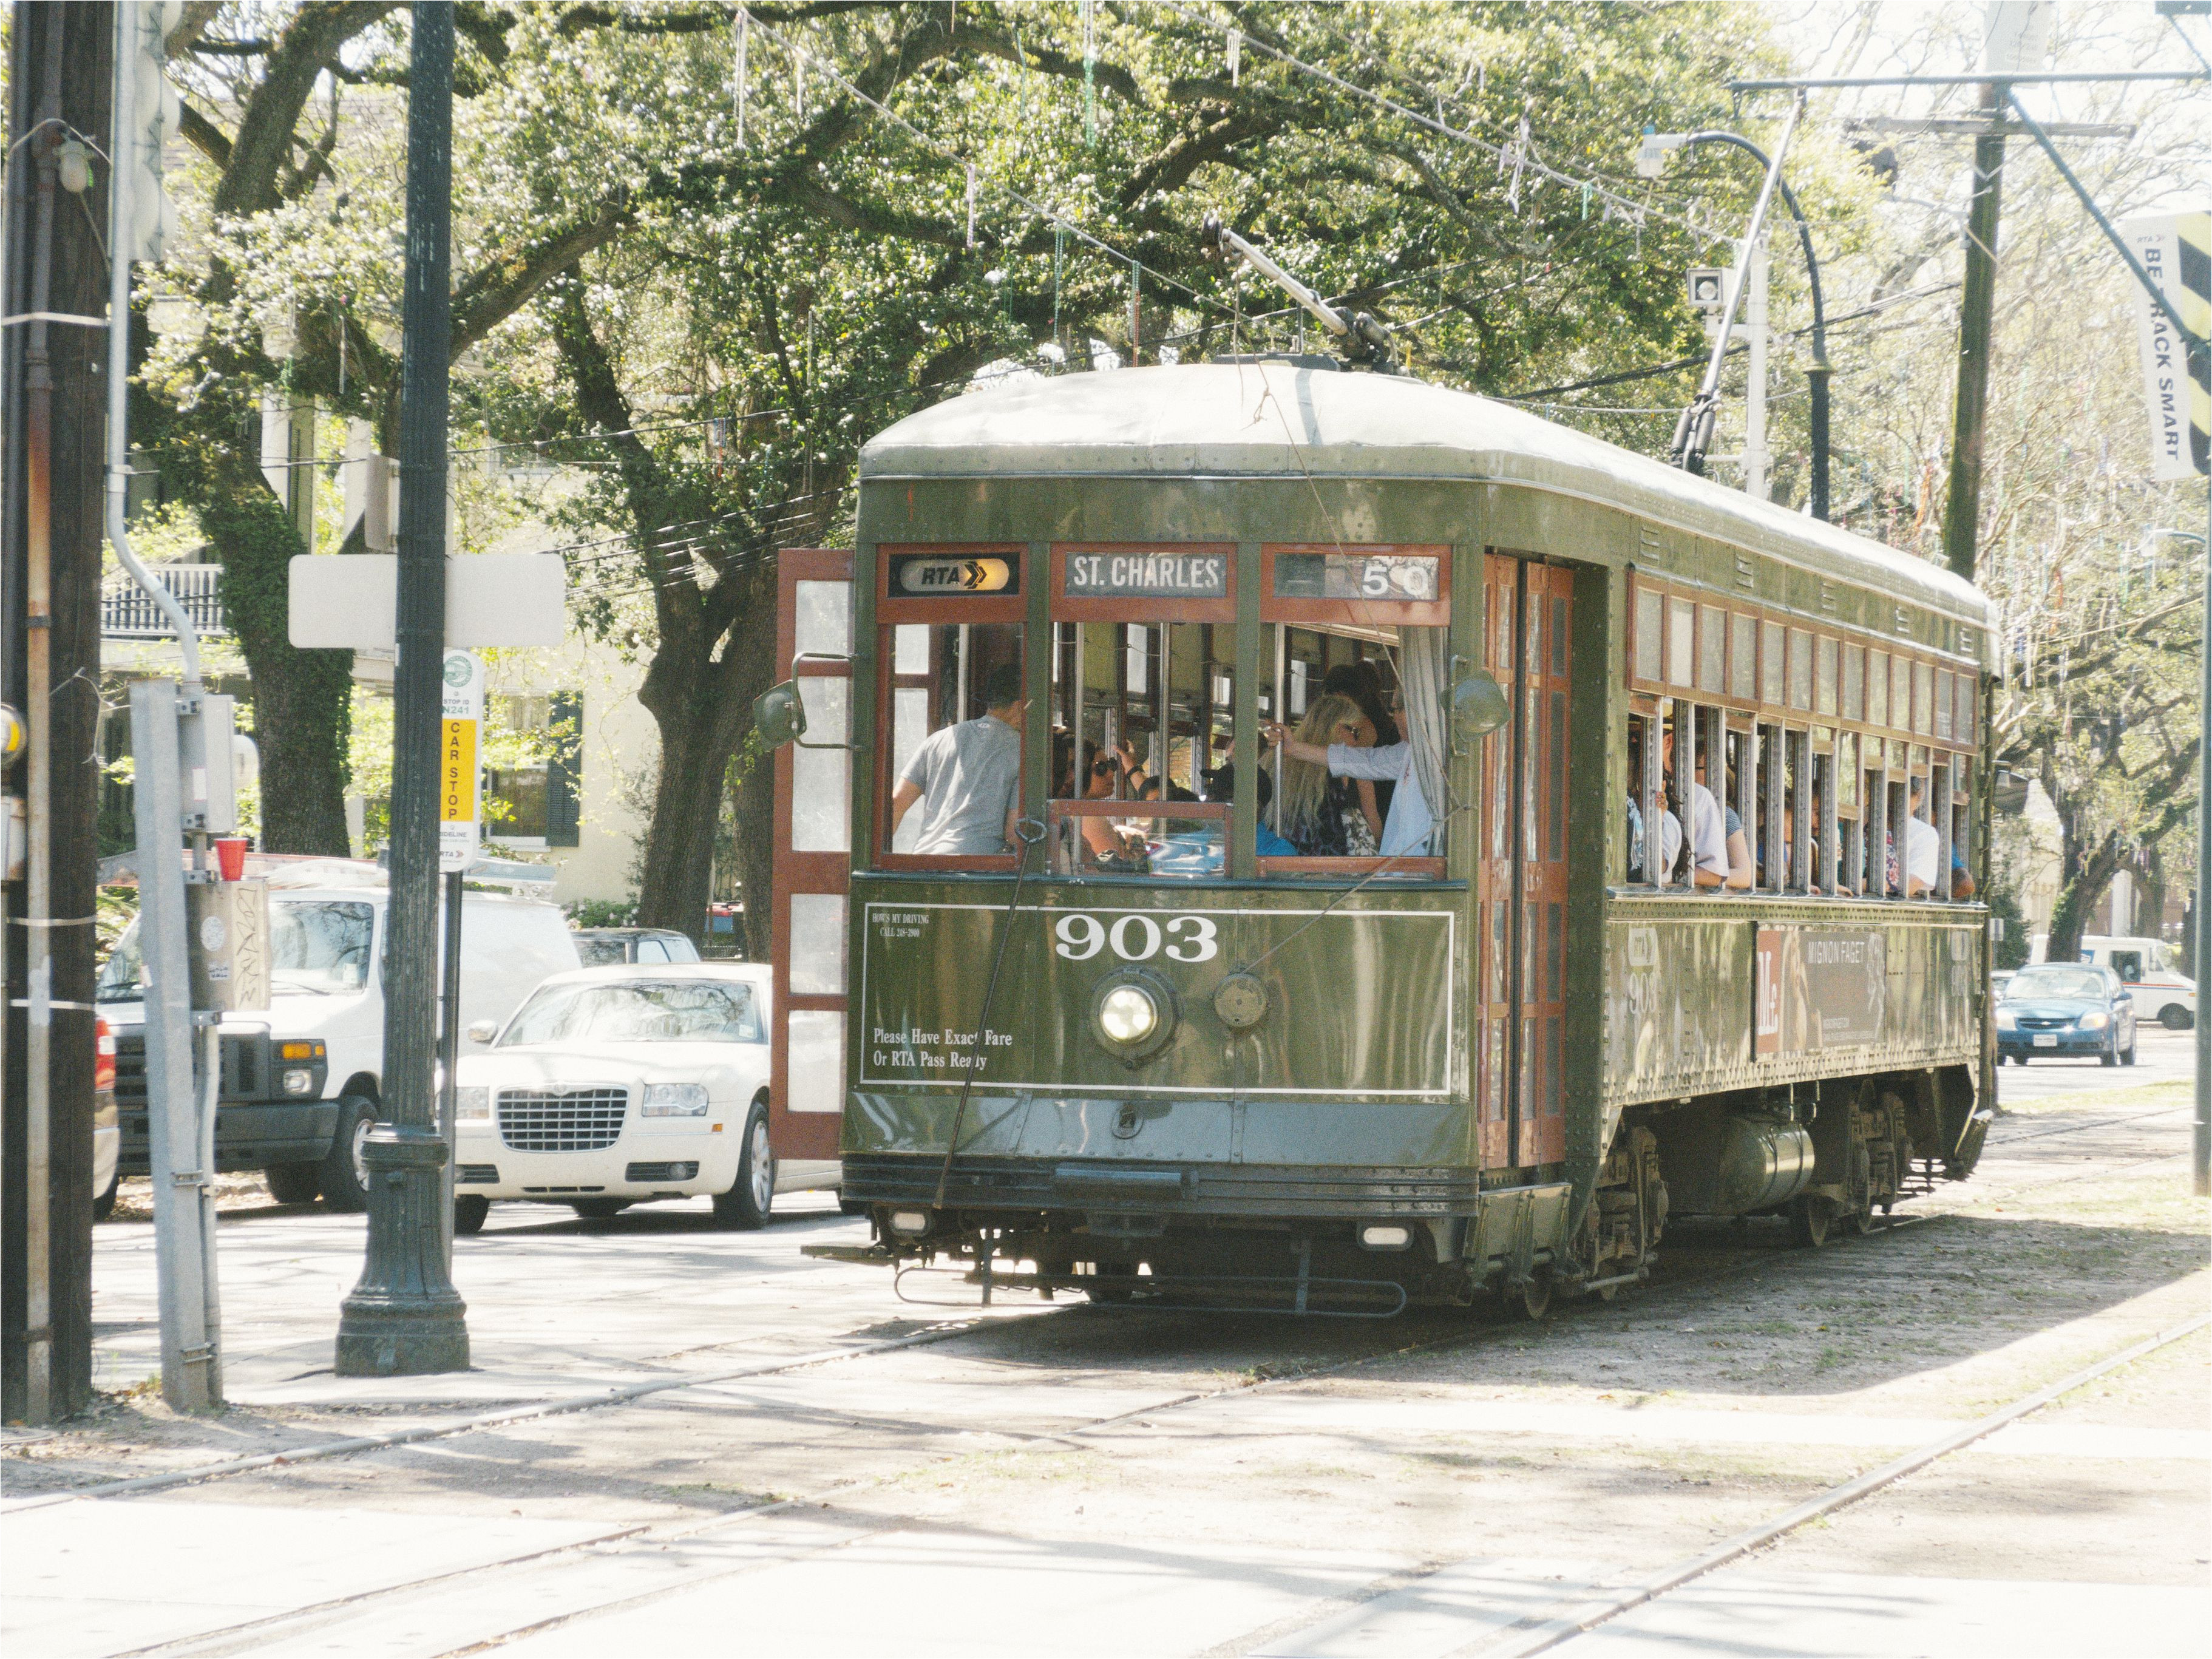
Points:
(1479, 707)
(778, 716)
(482, 1031)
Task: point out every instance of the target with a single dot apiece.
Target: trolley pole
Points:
(2200, 1141)
(404, 1318)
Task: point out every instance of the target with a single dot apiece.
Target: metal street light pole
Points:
(404, 1318)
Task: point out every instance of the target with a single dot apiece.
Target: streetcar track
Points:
(1743, 1260)
(946, 1330)
(665, 1533)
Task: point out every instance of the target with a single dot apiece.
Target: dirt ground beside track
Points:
(1749, 1375)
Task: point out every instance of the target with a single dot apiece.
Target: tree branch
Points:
(309, 45)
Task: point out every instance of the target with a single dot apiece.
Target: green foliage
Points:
(602, 912)
(2013, 949)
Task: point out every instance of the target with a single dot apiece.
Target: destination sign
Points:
(1147, 576)
(936, 575)
(1375, 577)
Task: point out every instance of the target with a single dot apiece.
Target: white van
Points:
(302, 1079)
(2147, 967)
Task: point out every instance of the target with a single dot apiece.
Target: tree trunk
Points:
(679, 842)
(303, 700)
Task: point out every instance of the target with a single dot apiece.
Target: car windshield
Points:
(2035, 982)
(316, 947)
(638, 1010)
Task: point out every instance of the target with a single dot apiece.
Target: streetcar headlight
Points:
(1127, 1014)
(912, 1223)
(2095, 1020)
(1386, 1235)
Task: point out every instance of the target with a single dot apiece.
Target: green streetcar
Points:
(1205, 1042)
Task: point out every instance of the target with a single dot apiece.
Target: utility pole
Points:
(404, 1318)
(1977, 307)
(1756, 458)
(52, 280)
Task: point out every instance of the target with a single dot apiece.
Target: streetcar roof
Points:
(1279, 419)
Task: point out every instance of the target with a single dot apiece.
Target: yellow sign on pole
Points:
(458, 801)
(457, 794)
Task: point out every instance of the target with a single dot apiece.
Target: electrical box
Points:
(228, 922)
(206, 765)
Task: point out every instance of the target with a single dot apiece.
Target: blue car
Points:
(2057, 1009)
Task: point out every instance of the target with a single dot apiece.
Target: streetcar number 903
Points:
(1136, 938)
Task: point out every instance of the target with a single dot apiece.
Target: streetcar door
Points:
(1527, 639)
(813, 855)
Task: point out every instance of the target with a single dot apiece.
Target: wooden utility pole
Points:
(1976, 308)
(51, 410)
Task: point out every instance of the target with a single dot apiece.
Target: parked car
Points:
(618, 1085)
(2147, 967)
(2056, 1009)
(106, 1130)
(299, 1081)
(1999, 978)
(600, 947)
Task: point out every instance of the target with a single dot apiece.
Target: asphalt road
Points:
(2161, 1056)
(1055, 1478)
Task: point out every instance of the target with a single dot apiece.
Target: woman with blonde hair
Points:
(1326, 816)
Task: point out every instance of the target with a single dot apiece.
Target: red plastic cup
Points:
(230, 857)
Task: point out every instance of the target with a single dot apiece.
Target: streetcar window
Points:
(954, 766)
(1141, 714)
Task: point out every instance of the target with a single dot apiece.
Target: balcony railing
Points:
(128, 611)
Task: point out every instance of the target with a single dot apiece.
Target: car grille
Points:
(561, 1121)
(2041, 1023)
(244, 1056)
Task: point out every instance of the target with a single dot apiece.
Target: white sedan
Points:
(617, 1086)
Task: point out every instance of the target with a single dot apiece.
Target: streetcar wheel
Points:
(470, 1210)
(1808, 1222)
(1115, 1291)
(1859, 1222)
(752, 1194)
(1533, 1299)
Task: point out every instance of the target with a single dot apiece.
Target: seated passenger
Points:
(1709, 851)
(1921, 843)
(1409, 827)
(1739, 849)
(1324, 815)
(1220, 784)
(1362, 681)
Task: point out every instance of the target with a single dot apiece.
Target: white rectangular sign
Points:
(346, 601)
(2171, 247)
(460, 762)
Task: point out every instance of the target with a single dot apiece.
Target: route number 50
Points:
(1136, 938)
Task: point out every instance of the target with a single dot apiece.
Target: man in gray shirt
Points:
(968, 777)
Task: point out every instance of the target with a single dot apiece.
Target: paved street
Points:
(1067, 1478)
(2161, 1056)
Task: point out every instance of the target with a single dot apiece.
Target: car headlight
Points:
(1127, 1014)
(298, 1080)
(2006, 1019)
(2095, 1020)
(471, 1104)
(674, 1100)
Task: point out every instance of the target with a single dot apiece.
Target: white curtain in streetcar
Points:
(1423, 668)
